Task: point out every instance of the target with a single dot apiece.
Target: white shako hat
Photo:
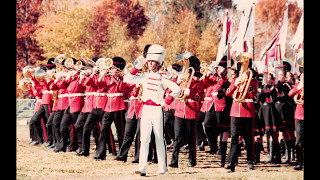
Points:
(156, 53)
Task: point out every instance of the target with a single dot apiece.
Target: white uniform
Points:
(154, 86)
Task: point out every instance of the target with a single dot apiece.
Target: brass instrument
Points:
(40, 74)
(26, 70)
(187, 73)
(69, 63)
(88, 60)
(245, 78)
(104, 63)
(126, 70)
(299, 97)
(24, 83)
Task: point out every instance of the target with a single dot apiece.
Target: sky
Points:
(243, 3)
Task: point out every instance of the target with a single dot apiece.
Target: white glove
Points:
(180, 78)
(237, 81)
(162, 103)
(300, 85)
(141, 62)
(187, 92)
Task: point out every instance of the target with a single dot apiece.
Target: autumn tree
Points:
(27, 14)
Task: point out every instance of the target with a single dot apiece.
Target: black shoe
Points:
(250, 166)
(190, 164)
(298, 167)
(34, 143)
(82, 153)
(58, 150)
(231, 167)
(141, 173)
(173, 165)
(98, 156)
(120, 158)
(135, 161)
(211, 152)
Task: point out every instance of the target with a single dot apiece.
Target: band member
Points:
(154, 86)
(75, 90)
(242, 111)
(87, 107)
(62, 105)
(168, 110)
(284, 107)
(113, 109)
(216, 113)
(298, 93)
(186, 112)
(46, 101)
(269, 114)
(34, 127)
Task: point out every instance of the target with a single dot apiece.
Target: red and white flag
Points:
(278, 38)
(225, 37)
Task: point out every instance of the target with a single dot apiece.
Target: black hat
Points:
(286, 66)
(95, 59)
(176, 67)
(50, 64)
(119, 62)
(194, 62)
(223, 61)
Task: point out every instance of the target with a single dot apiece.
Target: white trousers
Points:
(152, 118)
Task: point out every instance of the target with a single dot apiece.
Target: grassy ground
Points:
(39, 162)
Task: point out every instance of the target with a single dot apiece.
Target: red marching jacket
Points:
(189, 108)
(75, 93)
(135, 105)
(62, 101)
(172, 105)
(36, 91)
(299, 112)
(46, 93)
(245, 108)
(90, 93)
(212, 84)
(115, 88)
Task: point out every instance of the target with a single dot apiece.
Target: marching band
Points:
(187, 103)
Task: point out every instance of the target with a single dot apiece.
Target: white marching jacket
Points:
(154, 86)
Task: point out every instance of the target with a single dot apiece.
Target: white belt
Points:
(190, 100)
(75, 94)
(89, 93)
(132, 97)
(214, 93)
(126, 100)
(246, 100)
(62, 95)
(114, 94)
(70, 95)
(46, 91)
(101, 94)
(207, 98)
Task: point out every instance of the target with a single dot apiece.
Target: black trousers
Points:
(130, 131)
(184, 128)
(168, 125)
(300, 140)
(210, 126)
(39, 121)
(81, 120)
(68, 131)
(56, 123)
(50, 134)
(94, 117)
(242, 126)
(201, 136)
(106, 133)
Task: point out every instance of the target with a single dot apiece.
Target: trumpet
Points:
(88, 60)
(245, 78)
(24, 83)
(26, 70)
(40, 74)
